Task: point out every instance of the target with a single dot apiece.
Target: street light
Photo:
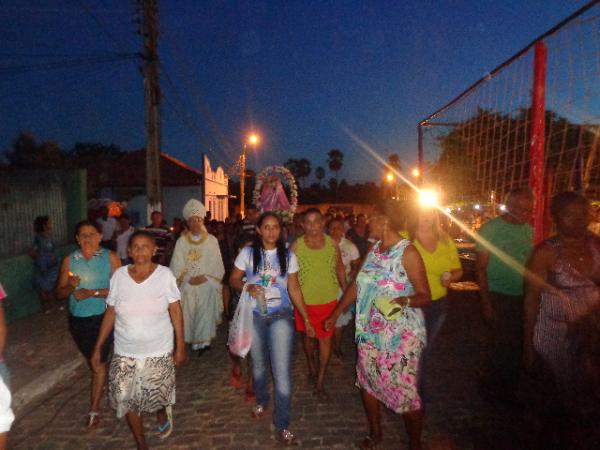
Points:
(416, 172)
(391, 178)
(253, 140)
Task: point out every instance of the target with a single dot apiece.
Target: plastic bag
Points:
(240, 329)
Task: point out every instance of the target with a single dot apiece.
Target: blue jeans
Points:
(435, 316)
(272, 345)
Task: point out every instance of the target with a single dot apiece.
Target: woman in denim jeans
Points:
(271, 274)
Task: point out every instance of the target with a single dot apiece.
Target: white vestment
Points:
(202, 304)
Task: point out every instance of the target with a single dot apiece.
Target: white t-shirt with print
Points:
(268, 276)
(142, 325)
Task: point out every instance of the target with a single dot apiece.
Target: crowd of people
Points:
(140, 300)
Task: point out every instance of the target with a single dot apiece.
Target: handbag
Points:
(240, 328)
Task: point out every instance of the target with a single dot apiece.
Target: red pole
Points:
(536, 150)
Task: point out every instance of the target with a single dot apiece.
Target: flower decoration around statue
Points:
(269, 193)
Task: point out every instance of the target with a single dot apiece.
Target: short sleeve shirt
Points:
(269, 276)
(443, 259)
(516, 241)
(143, 326)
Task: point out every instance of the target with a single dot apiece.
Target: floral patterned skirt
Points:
(141, 385)
(391, 376)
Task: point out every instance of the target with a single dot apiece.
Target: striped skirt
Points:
(141, 385)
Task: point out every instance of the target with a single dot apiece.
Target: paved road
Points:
(212, 415)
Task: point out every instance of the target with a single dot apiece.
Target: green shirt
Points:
(317, 274)
(517, 242)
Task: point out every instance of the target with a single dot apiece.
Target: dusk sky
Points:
(297, 72)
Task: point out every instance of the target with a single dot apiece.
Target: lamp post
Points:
(391, 178)
(252, 140)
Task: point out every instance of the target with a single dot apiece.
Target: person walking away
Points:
(321, 276)
(271, 273)
(390, 291)
(563, 290)
(351, 260)
(45, 262)
(84, 278)
(198, 267)
(501, 290)
(442, 266)
(145, 312)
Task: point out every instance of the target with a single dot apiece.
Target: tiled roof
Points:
(129, 170)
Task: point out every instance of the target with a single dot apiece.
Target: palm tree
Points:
(335, 161)
(319, 174)
(394, 162)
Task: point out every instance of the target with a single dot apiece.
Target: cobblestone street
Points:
(210, 414)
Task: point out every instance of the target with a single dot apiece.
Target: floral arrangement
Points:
(263, 176)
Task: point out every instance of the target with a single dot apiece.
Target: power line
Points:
(67, 63)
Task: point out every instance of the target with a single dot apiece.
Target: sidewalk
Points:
(40, 353)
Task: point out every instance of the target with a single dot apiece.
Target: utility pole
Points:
(151, 104)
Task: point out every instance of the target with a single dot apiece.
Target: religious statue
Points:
(273, 197)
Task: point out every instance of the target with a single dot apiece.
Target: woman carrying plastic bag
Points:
(272, 291)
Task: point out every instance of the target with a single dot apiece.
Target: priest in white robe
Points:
(198, 267)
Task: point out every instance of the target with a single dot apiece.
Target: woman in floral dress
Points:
(390, 290)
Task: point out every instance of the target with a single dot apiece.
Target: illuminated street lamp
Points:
(416, 172)
(253, 139)
(391, 178)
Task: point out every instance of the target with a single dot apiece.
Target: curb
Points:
(42, 385)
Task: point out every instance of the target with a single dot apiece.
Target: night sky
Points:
(297, 72)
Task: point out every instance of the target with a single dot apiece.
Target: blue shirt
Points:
(94, 274)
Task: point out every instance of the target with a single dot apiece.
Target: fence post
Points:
(536, 150)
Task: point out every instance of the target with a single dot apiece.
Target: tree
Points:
(300, 168)
(335, 161)
(490, 151)
(27, 152)
(394, 162)
(319, 174)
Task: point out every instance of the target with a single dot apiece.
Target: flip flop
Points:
(93, 420)
(165, 430)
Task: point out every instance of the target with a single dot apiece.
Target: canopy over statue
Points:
(270, 194)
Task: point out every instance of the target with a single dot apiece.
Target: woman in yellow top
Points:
(443, 267)
(321, 276)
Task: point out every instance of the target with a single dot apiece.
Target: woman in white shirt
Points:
(143, 307)
(271, 272)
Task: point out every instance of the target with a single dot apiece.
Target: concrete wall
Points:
(16, 271)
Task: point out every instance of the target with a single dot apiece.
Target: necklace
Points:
(188, 237)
